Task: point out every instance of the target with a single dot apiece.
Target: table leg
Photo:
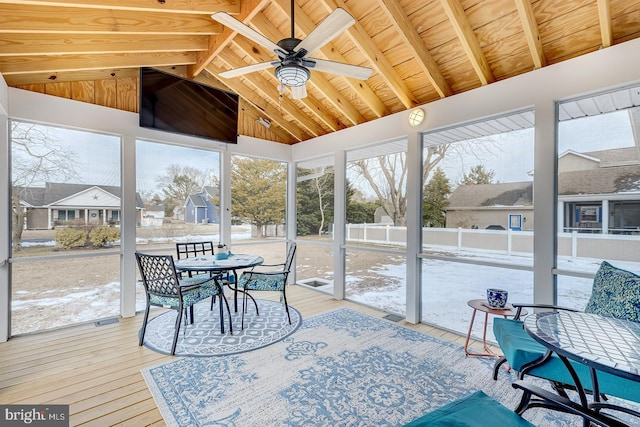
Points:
(488, 351)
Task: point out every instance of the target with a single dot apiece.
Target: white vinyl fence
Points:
(572, 245)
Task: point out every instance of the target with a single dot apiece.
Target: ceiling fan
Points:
(292, 67)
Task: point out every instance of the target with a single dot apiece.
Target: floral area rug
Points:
(203, 337)
(341, 368)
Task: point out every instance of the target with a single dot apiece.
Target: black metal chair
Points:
(272, 280)
(193, 249)
(164, 288)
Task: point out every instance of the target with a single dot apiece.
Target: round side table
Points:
(482, 305)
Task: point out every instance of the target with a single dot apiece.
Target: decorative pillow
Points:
(615, 293)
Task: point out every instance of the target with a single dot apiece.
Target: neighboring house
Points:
(381, 217)
(58, 204)
(202, 207)
(484, 205)
(153, 216)
(598, 192)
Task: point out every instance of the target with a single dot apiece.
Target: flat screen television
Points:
(173, 104)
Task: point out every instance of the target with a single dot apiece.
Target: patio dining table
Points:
(214, 264)
(604, 344)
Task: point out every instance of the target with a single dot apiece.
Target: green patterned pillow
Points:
(616, 293)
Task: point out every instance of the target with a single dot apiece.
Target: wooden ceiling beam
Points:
(604, 16)
(410, 36)
(257, 54)
(531, 33)
(249, 9)
(70, 20)
(376, 58)
(319, 81)
(466, 36)
(250, 95)
(366, 94)
(15, 44)
(270, 91)
(52, 64)
(70, 76)
(173, 6)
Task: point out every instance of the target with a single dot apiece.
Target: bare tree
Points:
(386, 175)
(180, 181)
(37, 157)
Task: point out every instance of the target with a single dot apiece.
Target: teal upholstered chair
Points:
(475, 410)
(267, 280)
(615, 293)
(164, 288)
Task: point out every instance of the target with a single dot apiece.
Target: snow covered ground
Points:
(447, 286)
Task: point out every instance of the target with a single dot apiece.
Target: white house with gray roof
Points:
(58, 204)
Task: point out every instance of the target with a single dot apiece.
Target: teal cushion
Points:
(519, 348)
(262, 282)
(206, 290)
(475, 410)
(615, 293)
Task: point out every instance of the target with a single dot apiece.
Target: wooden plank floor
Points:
(96, 369)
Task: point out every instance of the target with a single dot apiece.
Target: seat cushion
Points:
(475, 410)
(190, 297)
(519, 348)
(615, 293)
(262, 282)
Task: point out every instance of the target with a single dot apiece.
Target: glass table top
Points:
(605, 343)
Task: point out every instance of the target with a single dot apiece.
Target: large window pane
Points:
(66, 204)
(376, 224)
(477, 217)
(598, 189)
(178, 200)
(314, 228)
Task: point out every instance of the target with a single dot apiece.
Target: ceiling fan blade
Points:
(334, 24)
(347, 70)
(298, 92)
(239, 27)
(245, 70)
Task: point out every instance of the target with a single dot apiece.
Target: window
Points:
(65, 215)
(477, 220)
(376, 232)
(314, 228)
(598, 190)
(60, 275)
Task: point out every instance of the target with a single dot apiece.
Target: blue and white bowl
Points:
(497, 298)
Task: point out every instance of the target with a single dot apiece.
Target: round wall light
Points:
(416, 117)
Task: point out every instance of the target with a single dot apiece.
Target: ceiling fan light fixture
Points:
(292, 75)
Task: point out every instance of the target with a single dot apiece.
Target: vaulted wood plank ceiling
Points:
(419, 50)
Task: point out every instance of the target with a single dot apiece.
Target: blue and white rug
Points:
(341, 368)
(203, 337)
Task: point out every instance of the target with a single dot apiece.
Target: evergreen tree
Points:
(436, 193)
(258, 191)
